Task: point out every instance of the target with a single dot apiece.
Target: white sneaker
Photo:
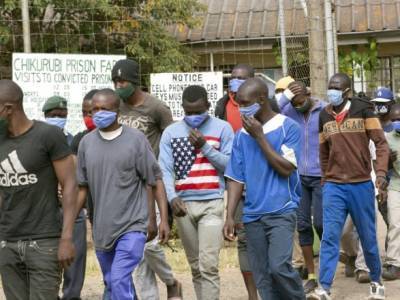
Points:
(376, 291)
(319, 294)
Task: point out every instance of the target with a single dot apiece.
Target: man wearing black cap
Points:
(142, 111)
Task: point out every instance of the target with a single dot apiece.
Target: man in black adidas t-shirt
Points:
(34, 158)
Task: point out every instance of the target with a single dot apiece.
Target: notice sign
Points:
(42, 75)
(168, 87)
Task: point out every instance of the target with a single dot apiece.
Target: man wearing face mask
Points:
(392, 269)
(34, 159)
(87, 119)
(305, 110)
(383, 100)
(74, 276)
(346, 127)
(193, 156)
(227, 108)
(352, 254)
(266, 151)
(142, 111)
(280, 86)
(282, 101)
(55, 111)
(121, 176)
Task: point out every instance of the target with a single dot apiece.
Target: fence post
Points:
(26, 26)
(318, 74)
(283, 38)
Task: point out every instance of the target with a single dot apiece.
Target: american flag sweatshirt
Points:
(195, 174)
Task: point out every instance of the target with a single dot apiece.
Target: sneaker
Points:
(362, 276)
(319, 294)
(376, 291)
(391, 273)
(310, 286)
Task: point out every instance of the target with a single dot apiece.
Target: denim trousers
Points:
(270, 246)
(30, 270)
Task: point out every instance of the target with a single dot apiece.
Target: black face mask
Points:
(305, 107)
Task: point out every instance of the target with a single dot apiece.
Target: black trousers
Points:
(30, 269)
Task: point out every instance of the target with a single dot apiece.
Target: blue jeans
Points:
(269, 248)
(310, 204)
(118, 265)
(339, 200)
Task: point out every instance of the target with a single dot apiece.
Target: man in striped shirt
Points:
(193, 156)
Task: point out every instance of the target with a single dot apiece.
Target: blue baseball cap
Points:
(383, 94)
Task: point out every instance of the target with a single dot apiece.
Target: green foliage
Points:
(296, 56)
(276, 50)
(359, 58)
(138, 28)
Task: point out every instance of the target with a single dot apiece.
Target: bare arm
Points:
(161, 198)
(65, 172)
(152, 226)
(235, 191)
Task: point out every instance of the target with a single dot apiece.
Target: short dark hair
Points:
(344, 78)
(90, 95)
(193, 93)
(246, 67)
(10, 92)
(109, 92)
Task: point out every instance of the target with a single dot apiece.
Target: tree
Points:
(138, 28)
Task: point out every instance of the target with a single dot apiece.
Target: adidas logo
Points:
(12, 173)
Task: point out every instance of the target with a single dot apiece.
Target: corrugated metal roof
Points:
(238, 19)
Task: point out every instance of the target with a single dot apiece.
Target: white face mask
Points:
(278, 96)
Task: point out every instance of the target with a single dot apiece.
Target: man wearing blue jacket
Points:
(297, 104)
(264, 159)
(193, 156)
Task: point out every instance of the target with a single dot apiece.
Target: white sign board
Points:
(168, 87)
(42, 75)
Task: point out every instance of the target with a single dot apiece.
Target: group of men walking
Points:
(291, 164)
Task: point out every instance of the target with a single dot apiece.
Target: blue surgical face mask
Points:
(104, 118)
(195, 121)
(335, 97)
(389, 127)
(250, 111)
(59, 122)
(234, 84)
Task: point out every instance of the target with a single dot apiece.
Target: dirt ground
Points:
(232, 287)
